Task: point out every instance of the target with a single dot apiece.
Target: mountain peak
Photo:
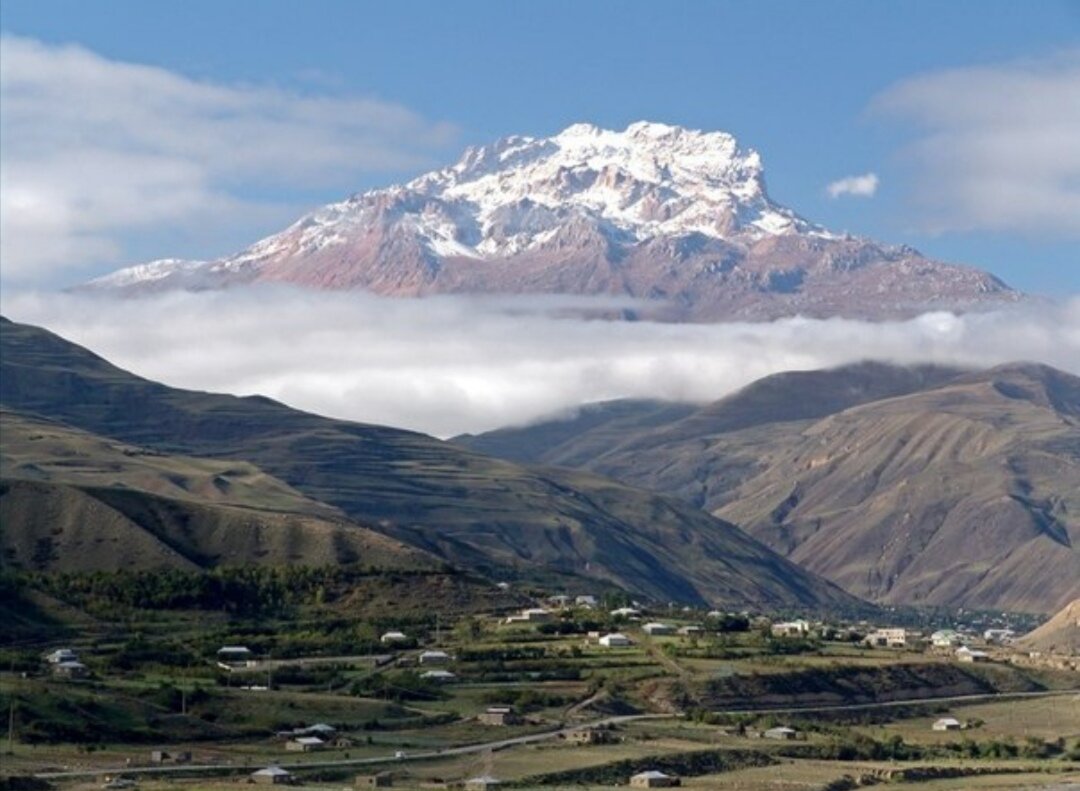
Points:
(675, 216)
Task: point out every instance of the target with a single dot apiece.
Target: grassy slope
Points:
(477, 511)
(922, 485)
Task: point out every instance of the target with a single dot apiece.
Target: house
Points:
(377, 780)
(965, 654)
(691, 631)
(626, 612)
(587, 736)
(231, 656)
(499, 715)
(389, 638)
(434, 658)
(999, 636)
(70, 670)
(304, 744)
(615, 640)
(320, 729)
(438, 676)
(714, 614)
(654, 629)
(946, 724)
(531, 615)
(482, 783)
(162, 757)
(799, 628)
(587, 600)
(781, 733)
(945, 638)
(887, 638)
(62, 655)
(653, 779)
(272, 775)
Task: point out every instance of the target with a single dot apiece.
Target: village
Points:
(564, 690)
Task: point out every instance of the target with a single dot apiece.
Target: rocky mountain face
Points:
(114, 455)
(916, 485)
(678, 219)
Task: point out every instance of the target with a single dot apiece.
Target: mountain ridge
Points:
(934, 486)
(476, 512)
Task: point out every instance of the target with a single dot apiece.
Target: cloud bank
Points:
(998, 146)
(453, 364)
(863, 186)
(95, 150)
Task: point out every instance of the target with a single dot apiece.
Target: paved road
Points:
(502, 744)
(425, 755)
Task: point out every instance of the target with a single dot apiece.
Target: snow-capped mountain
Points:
(654, 212)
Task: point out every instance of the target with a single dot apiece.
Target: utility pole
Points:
(11, 727)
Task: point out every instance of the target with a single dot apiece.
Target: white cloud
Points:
(94, 150)
(863, 186)
(999, 146)
(452, 364)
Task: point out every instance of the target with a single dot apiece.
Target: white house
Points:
(797, 628)
(945, 638)
(434, 658)
(887, 638)
(658, 628)
(626, 612)
(653, 778)
(946, 724)
(304, 744)
(615, 640)
(586, 600)
(531, 615)
(1000, 636)
(439, 676)
(272, 775)
(230, 656)
(781, 732)
(965, 654)
(62, 655)
(392, 637)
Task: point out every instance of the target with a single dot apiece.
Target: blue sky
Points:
(825, 90)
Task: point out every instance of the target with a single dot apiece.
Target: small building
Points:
(62, 655)
(499, 715)
(434, 658)
(560, 600)
(304, 744)
(946, 724)
(235, 656)
(392, 637)
(586, 600)
(482, 783)
(377, 780)
(320, 729)
(691, 631)
(655, 629)
(587, 736)
(797, 628)
(626, 612)
(887, 638)
(999, 636)
(438, 676)
(615, 640)
(531, 615)
(653, 778)
(159, 757)
(272, 775)
(945, 638)
(70, 670)
(965, 654)
(781, 733)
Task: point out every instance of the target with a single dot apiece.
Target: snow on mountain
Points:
(654, 211)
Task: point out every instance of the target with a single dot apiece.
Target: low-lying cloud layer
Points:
(452, 364)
